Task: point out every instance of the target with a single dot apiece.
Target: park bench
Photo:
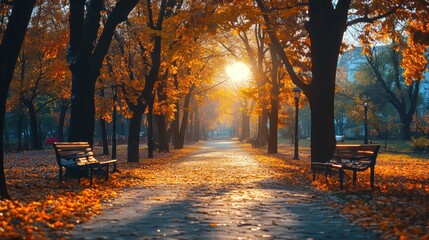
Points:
(355, 158)
(78, 159)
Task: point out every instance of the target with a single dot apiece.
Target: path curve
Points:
(218, 192)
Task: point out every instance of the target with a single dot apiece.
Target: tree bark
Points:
(326, 26)
(176, 122)
(86, 59)
(9, 50)
(274, 120)
(274, 102)
(197, 123)
(406, 127)
(20, 146)
(104, 137)
(162, 132)
(403, 100)
(262, 133)
(150, 141)
(35, 138)
(63, 113)
(134, 133)
(175, 126)
(146, 94)
(160, 119)
(104, 130)
(245, 126)
(190, 134)
(185, 119)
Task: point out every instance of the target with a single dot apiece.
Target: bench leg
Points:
(372, 177)
(107, 172)
(341, 173)
(326, 173)
(60, 174)
(91, 170)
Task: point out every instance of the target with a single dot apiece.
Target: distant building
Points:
(350, 61)
(349, 64)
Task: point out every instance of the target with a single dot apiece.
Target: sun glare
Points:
(238, 71)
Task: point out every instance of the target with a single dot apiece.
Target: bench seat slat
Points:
(80, 155)
(355, 158)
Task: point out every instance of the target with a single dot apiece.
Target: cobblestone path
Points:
(219, 192)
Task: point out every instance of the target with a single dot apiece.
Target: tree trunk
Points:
(150, 141)
(245, 126)
(326, 26)
(274, 102)
(162, 132)
(405, 127)
(190, 134)
(322, 129)
(86, 59)
(63, 113)
(82, 115)
(104, 130)
(35, 139)
(204, 132)
(175, 126)
(274, 120)
(262, 133)
(20, 146)
(176, 122)
(9, 50)
(104, 136)
(134, 133)
(160, 119)
(197, 124)
(181, 140)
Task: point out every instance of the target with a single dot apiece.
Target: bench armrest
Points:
(108, 161)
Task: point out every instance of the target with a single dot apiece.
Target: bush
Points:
(420, 144)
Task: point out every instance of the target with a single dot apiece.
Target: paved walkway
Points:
(219, 192)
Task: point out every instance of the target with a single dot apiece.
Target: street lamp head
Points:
(296, 91)
(365, 104)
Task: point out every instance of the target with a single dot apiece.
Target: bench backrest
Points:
(365, 151)
(80, 152)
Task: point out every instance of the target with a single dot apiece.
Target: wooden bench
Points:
(78, 158)
(355, 158)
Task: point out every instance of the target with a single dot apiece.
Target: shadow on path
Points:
(221, 192)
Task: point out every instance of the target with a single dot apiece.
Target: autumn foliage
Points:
(397, 208)
(43, 207)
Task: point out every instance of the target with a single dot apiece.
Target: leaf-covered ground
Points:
(41, 205)
(397, 208)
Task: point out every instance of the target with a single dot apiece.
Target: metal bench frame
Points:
(355, 158)
(79, 156)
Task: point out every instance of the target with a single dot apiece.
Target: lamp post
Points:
(297, 93)
(365, 107)
(114, 90)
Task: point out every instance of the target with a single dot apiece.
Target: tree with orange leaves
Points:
(42, 72)
(325, 22)
(11, 41)
(86, 55)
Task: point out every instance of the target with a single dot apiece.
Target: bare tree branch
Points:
(367, 19)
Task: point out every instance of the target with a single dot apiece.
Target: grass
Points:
(396, 209)
(42, 207)
(395, 146)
